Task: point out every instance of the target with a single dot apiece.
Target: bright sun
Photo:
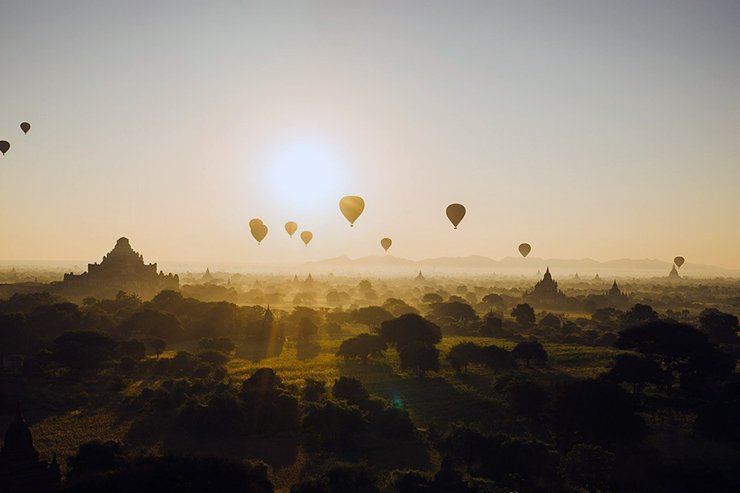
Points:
(304, 175)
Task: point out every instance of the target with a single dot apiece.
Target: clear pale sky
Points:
(588, 128)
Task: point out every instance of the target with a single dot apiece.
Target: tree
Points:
(524, 315)
(457, 310)
(492, 326)
(362, 346)
(636, 370)
(158, 346)
(463, 354)
(493, 299)
(588, 466)
(432, 298)
(152, 323)
(83, 350)
(398, 307)
(132, 348)
(307, 329)
(419, 357)
(529, 351)
(372, 316)
(720, 327)
(409, 328)
(639, 315)
(550, 321)
(351, 390)
(526, 398)
(223, 344)
(678, 348)
(595, 411)
(497, 358)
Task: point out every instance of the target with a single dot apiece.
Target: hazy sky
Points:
(597, 129)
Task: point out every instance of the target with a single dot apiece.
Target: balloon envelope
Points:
(679, 261)
(254, 222)
(386, 243)
(4, 146)
(351, 207)
(259, 231)
(25, 126)
(291, 227)
(524, 249)
(306, 236)
(455, 213)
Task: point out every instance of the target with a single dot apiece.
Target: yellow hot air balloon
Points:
(291, 227)
(351, 207)
(386, 243)
(306, 236)
(25, 126)
(524, 249)
(254, 222)
(679, 261)
(259, 231)
(455, 213)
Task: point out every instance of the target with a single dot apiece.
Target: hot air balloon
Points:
(351, 207)
(4, 146)
(386, 243)
(254, 222)
(25, 126)
(306, 236)
(679, 261)
(524, 249)
(455, 213)
(291, 227)
(259, 231)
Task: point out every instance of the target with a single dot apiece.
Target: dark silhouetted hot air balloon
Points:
(4, 146)
(25, 126)
(291, 227)
(386, 243)
(455, 213)
(524, 249)
(679, 261)
(254, 222)
(259, 231)
(351, 207)
(306, 236)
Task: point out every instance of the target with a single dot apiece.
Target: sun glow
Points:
(304, 175)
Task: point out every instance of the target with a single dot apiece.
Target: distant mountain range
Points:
(478, 264)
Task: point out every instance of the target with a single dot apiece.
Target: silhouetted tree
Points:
(83, 350)
(530, 351)
(588, 466)
(372, 316)
(463, 354)
(600, 412)
(362, 346)
(158, 346)
(457, 310)
(409, 328)
(398, 307)
(524, 315)
(720, 327)
(639, 315)
(526, 398)
(636, 370)
(432, 298)
(420, 357)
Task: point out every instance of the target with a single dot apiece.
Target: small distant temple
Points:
(122, 269)
(420, 277)
(20, 466)
(674, 273)
(616, 297)
(546, 292)
(207, 276)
